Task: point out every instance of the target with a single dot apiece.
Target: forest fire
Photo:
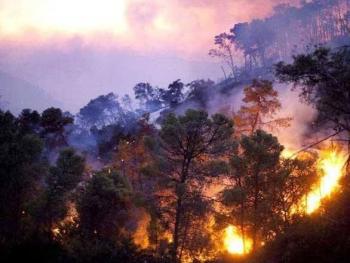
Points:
(251, 166)
(331, 164)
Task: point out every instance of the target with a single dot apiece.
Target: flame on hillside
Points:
(331, 163)
(330, 167)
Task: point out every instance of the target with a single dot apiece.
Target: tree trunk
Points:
(185, 237)
(242, 227)
(178, 212)
(255, 123)
(176, 229)
(242, 215)
(255, 208)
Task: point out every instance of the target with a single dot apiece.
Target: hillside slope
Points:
(17, 94)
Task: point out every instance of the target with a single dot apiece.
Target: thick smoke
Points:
(294, 137)
(260, 43)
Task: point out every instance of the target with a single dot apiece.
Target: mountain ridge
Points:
(17, 94)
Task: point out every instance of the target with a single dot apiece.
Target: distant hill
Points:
(17, 94)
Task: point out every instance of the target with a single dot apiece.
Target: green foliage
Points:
(29, 121)
(68, 170)
(103, 205)
(21, 170)
(99, 112)
(53, 123)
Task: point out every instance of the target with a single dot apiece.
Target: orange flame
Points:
(331, 165)
(71, 217)
(141, 234)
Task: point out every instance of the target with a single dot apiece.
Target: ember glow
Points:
(331, 164)
(71, 218)
(235, 243)
(141, 236)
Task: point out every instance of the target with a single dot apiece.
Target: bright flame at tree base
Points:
(331, 165)
(235, 243)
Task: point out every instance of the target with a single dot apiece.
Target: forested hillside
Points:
(195, 172)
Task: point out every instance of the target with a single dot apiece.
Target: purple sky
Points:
(77, 49)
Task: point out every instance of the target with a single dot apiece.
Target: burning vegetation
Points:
(331, 165)
(198, 172)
